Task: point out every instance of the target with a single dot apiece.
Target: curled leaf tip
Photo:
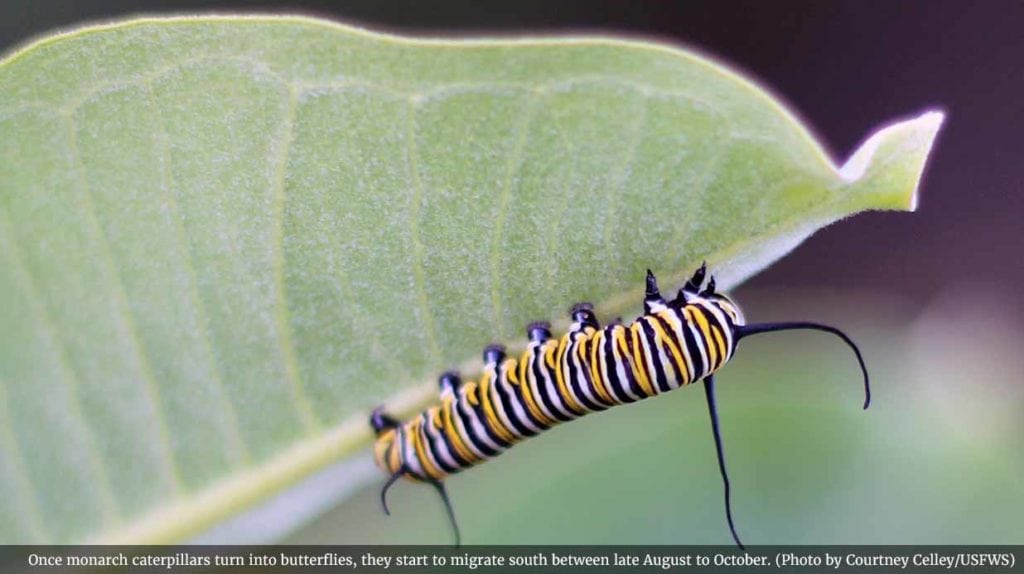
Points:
(892, 159)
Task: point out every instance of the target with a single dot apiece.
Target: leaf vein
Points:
(512, 166)
(429, 330)
(367, 330)
(554, 234)
(16, 464)
(622, 173)
(237, 448)
(168, 466)
(694, 207)
(281, 315)
(108, 505)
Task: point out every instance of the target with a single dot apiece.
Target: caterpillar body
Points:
(590, 368)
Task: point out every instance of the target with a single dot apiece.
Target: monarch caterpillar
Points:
(590, 368)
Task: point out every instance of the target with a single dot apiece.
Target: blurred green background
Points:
(937, 459)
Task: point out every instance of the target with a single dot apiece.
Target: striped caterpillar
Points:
(590, 368)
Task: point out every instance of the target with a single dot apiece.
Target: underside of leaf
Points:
(223, 240)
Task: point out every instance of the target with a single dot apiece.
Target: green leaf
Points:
(222, 240)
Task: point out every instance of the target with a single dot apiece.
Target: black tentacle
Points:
(387, 485)
(448, 507)
(709, 393)
(747, 330)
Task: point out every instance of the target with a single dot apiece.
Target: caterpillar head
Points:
(386, 452)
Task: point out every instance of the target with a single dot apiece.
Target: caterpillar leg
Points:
(494, 354)
(582, 315)
(538, 332)
(653, 301)
(710, 289)
(693, 285)
(381, 421)
(449, 382)
(709, 393)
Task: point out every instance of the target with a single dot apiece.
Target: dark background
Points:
(845, 66)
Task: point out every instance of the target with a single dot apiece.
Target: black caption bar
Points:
(474, 559)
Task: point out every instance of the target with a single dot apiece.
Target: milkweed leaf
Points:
(224, 239)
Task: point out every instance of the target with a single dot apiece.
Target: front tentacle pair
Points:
(381, 423)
